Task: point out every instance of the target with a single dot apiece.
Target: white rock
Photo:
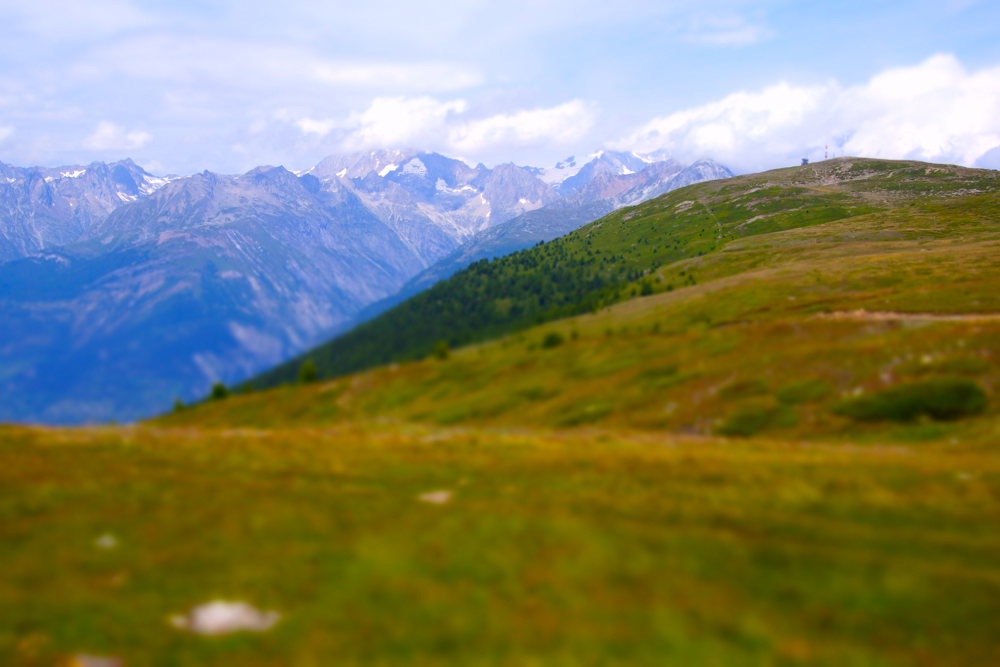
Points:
(106, 541)
(84, 660)
(435, 497)
(220, 617)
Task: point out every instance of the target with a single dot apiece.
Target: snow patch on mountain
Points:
(415, 168)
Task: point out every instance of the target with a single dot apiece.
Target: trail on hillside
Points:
(890, 316)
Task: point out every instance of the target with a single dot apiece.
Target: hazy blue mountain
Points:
(210, 278)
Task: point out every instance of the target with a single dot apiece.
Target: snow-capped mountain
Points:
(43, 207)
(359, 165)
(413, 190)
(570, 175)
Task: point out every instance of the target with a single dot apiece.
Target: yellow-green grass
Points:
(561, 547)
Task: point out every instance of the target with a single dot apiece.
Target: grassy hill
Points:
(789, 459)
(611, 260)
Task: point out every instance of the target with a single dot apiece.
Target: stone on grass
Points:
(435, 497)
(84, 660)
(106, 541)
(220, 617)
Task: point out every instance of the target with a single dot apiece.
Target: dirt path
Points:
(888, 316)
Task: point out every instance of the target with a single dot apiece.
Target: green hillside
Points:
(903, 294)
(611, 260)
(786, 454)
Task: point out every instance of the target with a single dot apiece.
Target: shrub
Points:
(308, 372)
(647, 288)
(552, 339)
(938, 398)
(441, 350)
(179, 405)
(219, 392)
(752, 419)
(804, 391)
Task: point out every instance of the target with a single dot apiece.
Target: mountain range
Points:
(121, 290)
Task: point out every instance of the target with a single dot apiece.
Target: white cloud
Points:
(240, 63)
(400, 121)
(727, 31)
(407, 76)
(425, 122)
(58, 19)
(562, 124)
(111, 137)
(934, 111)
(6, 131)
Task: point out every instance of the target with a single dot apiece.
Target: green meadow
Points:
(770, 439)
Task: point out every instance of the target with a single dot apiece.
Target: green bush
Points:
(752, 419)
(804, 391)
(219, 392)
(179, 405)
(307, 372)
(647, 288)
(441, 350)
(552, 339)
(938, 398)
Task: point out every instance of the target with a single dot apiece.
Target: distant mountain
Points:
(607, 162)
(210, 278)
(408, 189)
(42, 208)
(359, 165)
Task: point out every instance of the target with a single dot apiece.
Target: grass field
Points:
(673, 479)
(563, 547)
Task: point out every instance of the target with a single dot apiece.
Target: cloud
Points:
(407, 76)
(6, 131)
(562, 124)
(400, 121)
(727, 31)
(166, 57)
(111, 137)
(935, 111)
(450, 126)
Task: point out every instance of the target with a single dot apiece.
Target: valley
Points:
(124, 292)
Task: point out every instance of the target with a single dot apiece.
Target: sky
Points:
(186, 86)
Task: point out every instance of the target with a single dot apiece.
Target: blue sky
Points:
(186, 86)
